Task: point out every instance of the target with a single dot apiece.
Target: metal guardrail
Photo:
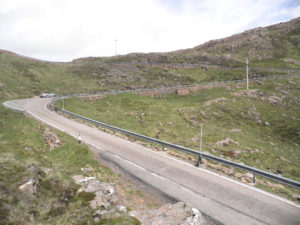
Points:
(201, 155)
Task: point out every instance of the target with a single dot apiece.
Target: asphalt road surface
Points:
(225, 200)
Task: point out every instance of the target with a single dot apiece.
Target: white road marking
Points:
(171, 158)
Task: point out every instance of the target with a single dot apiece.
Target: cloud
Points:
(61, 30)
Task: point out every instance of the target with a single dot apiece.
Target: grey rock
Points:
(179, 213)
(29, 187)
(100, 202)
(80, 179)
(47, 171)
(90, 184)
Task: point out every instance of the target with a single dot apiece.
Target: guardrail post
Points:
(253, 178)
(199, 162)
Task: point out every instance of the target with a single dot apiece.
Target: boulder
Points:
(179, 213)
(29, 187)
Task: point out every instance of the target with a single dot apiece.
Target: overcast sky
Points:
(61, 30)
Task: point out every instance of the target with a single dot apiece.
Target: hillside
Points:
(275, 46)
(22, 77)
(26, 145)
(259, 127)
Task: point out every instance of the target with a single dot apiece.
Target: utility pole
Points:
(201, 138)
(116, 45)
(247, 74)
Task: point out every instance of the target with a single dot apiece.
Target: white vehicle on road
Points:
(47, 95)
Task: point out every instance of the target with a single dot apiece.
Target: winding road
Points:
(227, 201)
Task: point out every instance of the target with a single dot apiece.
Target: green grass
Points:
(25, 78)
(21, 147)
(177, 119)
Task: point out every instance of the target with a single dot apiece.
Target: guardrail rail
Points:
(200, 155)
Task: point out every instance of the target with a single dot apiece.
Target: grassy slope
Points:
(26, 78)
(57, 201)
(177, 119)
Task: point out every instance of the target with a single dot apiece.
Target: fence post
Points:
(199, 162)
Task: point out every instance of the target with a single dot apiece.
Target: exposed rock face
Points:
(259, 43)
(179, 213)
(51, 139)
(103, 191)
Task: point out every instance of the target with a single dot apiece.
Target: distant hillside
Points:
(277, 45)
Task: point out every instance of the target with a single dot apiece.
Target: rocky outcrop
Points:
(51, 139)
(31, 186)
(179, 213)
(226, 142)
(106, 207)
(103, 191)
